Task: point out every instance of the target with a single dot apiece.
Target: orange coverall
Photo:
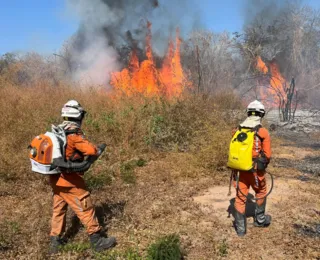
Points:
(70, 189)
(247, 179)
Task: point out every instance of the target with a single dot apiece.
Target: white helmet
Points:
(256, 106)
(73, 109)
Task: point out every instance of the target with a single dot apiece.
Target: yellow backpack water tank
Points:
(240, 150)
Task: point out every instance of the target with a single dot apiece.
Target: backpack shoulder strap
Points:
(62, 137)
(72, 131)
(256, 130)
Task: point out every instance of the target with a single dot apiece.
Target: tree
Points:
(211, 59)
(6, 60)
(289, 38)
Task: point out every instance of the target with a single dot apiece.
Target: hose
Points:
(70, 167)
(255, 199)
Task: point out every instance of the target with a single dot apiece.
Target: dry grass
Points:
(183, 146)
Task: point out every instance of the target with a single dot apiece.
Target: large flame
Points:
(275, 92)
(146, 79)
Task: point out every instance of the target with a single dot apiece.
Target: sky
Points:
(44, 25)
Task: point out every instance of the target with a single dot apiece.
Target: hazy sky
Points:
(43, 25)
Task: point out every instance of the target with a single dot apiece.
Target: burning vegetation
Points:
(278, 93)
(275, 91)
(145, 78)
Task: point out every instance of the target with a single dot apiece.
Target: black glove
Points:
(262, 163)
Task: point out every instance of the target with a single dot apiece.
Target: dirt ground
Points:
(173, 194)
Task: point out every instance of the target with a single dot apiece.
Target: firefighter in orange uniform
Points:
(256, 179)
(70, 189)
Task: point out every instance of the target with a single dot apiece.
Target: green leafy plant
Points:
(223, 248)
(165, 248)
(141, 162)
(14, 226)
(96, 182)
(127, 172)
(5, 243)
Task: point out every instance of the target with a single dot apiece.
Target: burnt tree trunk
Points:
(199, 69)
(286, 103)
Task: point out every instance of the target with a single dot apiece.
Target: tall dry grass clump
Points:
(129, 125)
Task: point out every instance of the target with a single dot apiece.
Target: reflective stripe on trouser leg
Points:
(260, 188)
(80, 202)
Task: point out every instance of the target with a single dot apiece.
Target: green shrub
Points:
(223, 248)
(166, 248)
(14, 227)
(141, 162)
(5, 243)
(96, 182)
(127, 172)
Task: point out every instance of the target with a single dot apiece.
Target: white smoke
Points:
(96, 61)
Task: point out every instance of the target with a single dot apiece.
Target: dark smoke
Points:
(115, 27)
(266, 10)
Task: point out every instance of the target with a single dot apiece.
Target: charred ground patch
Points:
(311, 230)
(309, 165)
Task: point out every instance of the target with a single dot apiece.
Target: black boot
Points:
(240, 223)
(260, 219)
(100, 243)
(56, 243)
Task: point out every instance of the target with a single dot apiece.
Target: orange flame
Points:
(146, 79)
(276, 91)
(261, 66)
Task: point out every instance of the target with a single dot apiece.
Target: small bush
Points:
(5, 243)
(127, 173)
(223, 248)
(96, 182)
(14, 227)
(127, 170)
(166, 248)
(141, 162)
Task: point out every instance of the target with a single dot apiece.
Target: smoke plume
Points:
(110, 29)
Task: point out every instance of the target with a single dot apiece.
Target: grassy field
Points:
(161, 156)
